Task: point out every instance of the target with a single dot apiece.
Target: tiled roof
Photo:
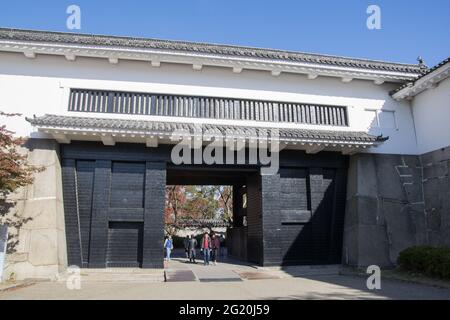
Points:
(159, 127)
(205, 48)
(202, 223)
(429, 71)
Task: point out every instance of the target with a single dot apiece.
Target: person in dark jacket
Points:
(222, 242)
(215, 247)
(186, 246)
(191, 247)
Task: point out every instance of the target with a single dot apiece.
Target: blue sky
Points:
(409, 28)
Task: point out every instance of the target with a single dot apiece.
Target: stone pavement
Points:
(228, 269)
(317, 287)
(128, 275)
(227, 280)
(222, 272)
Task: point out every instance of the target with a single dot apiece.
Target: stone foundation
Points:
(40, 248)
(436, 185)
(395, 202)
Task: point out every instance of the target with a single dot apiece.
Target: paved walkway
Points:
(179, 269)
(318, 287)
(227, 280)
(222, 272)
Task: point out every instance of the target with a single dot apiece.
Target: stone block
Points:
(350, 254)
(445, 231)
(400, 228)
(368, 211)
(17, 257)
(414, 192)
(436, 156)
(62, 249)
(431, 193)
(437, 170)
(44, 247)
(419, 225)
(42, 214)
(367, 184)
(412, 161)
(434, 238)
(373, 246)
(24, 237)
(443, 185)
(434, 219)
(351, 212)
(404, 171)
(41, 248)
(389, 183)
(25, 270)
(352, 176)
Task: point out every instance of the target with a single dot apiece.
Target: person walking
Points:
(222, 242)
(206, 247)
(168, 245)
(215, 246)
(191, 247)
(186, 246)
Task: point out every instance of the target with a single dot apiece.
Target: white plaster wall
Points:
(431, 110)
(39, 86)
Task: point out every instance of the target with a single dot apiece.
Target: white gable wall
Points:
(39, 86)
(431, 110)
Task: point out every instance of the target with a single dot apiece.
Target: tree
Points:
(15, 172)
(226, 202)
(175, 202)
(196, 203)
(202, 202)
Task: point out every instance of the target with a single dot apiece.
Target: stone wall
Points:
(40, 248)
(395, 202)
(436, 185)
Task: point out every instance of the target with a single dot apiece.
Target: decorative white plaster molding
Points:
(70, 57)
(276, 73)
(237, 70)
(60, 137)
(108, 140)
(29, 54)
(113, 60)
(197, 67)
(347, 79)
(156, 63)
(146, 54)
(314, 148)
(429, 81)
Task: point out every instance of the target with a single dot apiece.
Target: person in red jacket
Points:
(206, 247)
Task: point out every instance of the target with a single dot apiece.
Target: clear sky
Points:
(409, 28)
